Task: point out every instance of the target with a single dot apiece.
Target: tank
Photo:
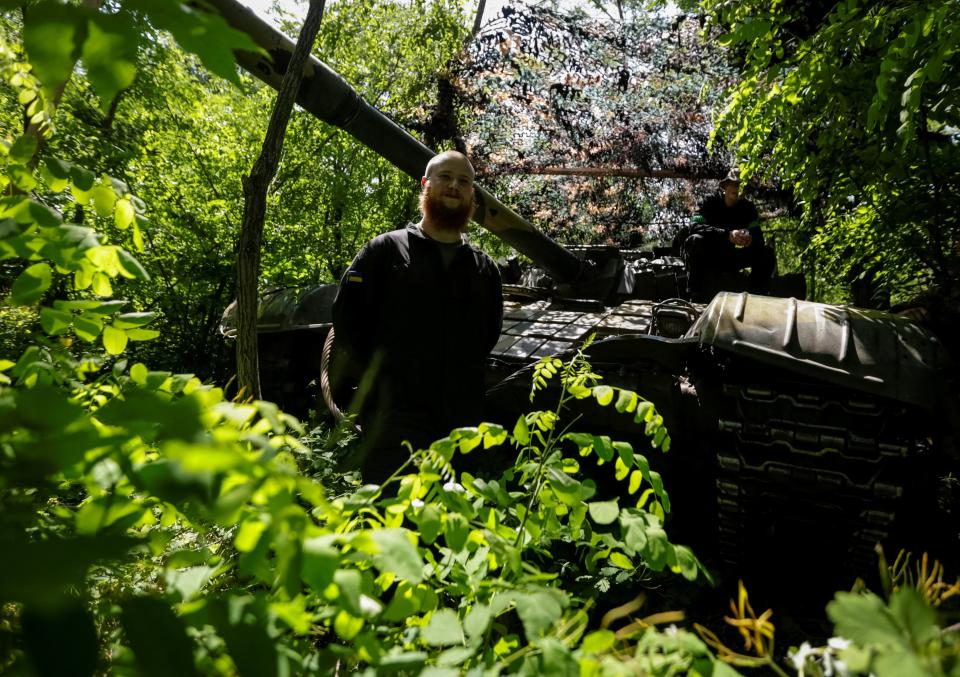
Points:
(804, 434)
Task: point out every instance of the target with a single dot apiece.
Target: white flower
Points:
(455, 487)
(799, 658)
(416, 504)
(670, 630)
(838, 643)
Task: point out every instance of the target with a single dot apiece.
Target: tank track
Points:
(810, 477)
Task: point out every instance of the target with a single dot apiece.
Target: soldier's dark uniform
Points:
(708, 250)
(433, 311)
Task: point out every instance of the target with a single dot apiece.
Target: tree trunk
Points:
(255, 203)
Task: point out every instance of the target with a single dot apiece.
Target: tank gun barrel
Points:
(326, 95)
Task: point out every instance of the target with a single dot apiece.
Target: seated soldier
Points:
(726, 237)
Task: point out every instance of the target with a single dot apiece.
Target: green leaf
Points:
(188, 582)
(443, 629)
(397, 554)
(408, 662)
(110, 54)
(914, 615)
(46, 408)
(89, 306)
(447, 660)
(603, 395)
(567, 488)
(598, 642)
(455, 531)
(320, 562)
(82, 178)
(21, 177)
(142, 334)
(50, 35)
(31, 284)
(899, 664)
(44, 573)
(44, 216)
(539, 611)
(687, 562)
(239, 621)
(87, 327)
(181, 559)
(618, 559)
(864, 619)
(124, 214)
(55, 322)
(346, 625)
(104, 199)
(626, 401)
(23, 149)
(477, 621)
(131, 320)
(101, 285)
(429, 521)
(603, 447)
(130, 267)
(99, 514)
(114, 340)
(248, 535)
(657, 548)
(138, 373)
(349, 583)
(158, 638)
(521, 432)
(59, 169)
(137, 236)
(205, 34)
(583, 441)
(604, 512)
(556, 659)
(625, 451)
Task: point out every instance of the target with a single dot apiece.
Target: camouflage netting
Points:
(594, 130)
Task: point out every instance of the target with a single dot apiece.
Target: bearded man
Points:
(424, 307)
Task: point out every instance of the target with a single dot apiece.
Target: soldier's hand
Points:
(740, 238)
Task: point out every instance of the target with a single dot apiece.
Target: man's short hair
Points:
(439, 157)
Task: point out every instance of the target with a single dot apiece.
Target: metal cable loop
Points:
(338, 415)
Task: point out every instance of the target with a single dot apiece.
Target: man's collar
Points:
(419, 231)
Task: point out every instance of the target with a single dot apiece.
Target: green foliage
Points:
(903, 635)
(855, 110)
(55, 33)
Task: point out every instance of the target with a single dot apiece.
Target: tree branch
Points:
(255, 202)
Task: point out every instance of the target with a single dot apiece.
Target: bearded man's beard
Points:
(454, 219)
